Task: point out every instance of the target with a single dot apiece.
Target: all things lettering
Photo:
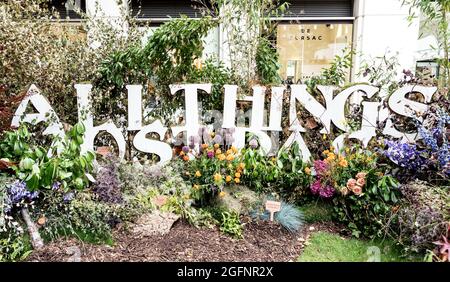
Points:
(333, 112)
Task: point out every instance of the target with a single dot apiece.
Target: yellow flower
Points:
(198, 173)
(347, 150)
(229, 152)
(228, 178)
(222, 194)
(331, 157)
(241, 165)
(221, 157)
(196, 187)
(217, 177)
(234, 149)
(273, 159)
(230, 158)
(212, 134)
(216, 146)
(326, 152)
(237, 175)
(307, 170)
(218, 151)
(237, 180)
(343, 163)
(205, 146)
(182, 153)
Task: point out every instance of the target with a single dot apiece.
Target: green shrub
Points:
(231, 224)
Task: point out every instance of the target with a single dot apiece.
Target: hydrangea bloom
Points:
(324, 191)
(18, 192)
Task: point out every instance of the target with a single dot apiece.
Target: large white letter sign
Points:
(140, 141)
(85, 116)
(45, 113)
(399, 104)
(256, 120)
(191, 125)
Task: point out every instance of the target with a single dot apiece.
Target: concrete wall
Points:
(381, 26)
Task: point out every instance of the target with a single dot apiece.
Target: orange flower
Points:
(186, 158)
(241, 165)
(237, 180)
(218, 151)
(216, 146)
(307, 170)
(229, 152)
(230, 158)
(343, 163)
(222, 194)
(228, 178)
(221, 157)
(204, 146)
(182, 153)
(237, 175)
(234, 149)
(217, 177)
(198, 173)
(326, 152)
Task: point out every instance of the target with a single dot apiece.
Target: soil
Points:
(262, 242)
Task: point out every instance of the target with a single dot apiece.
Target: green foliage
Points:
(83, 217)
(319, 211)
(231, 224)
(422, 218)
(285, 173)
(436, 15)
(267, 62)
(218, 75)
(366, 214)
(14, 244)
(174, 46)
(38, 170)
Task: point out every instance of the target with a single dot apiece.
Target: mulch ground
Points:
(263, 241)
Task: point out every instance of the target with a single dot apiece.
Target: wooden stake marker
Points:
(273, 207)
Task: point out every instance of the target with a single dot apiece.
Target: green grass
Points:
(317, 211)
(327, 247)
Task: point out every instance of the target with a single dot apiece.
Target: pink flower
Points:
(361, 182)
(351, 183)
(315, 187)
(361, 175)
(357, 190)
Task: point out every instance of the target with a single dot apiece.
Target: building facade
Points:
(309, 35)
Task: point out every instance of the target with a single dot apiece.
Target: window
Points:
(307, 48)
(68, 9)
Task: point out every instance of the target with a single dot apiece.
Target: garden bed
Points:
(262, 241)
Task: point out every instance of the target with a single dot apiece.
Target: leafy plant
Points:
(230, 224)
(422, 217)
(267, 62)
(107, 187)
(34, 166)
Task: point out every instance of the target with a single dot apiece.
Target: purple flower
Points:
(210, 154)
(68, 197)
(56, 185)
(324, 191)
(320, 167)
(253, 144)
(185, 149)
(217, 139)
(18, 192)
